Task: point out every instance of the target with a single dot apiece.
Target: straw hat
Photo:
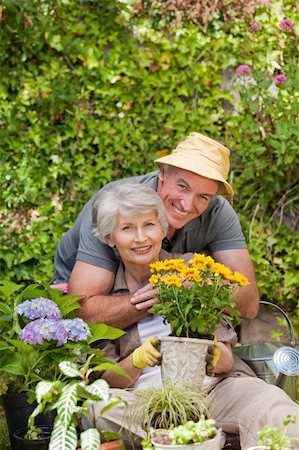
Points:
(201, 155)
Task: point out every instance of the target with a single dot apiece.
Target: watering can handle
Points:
(291, 329)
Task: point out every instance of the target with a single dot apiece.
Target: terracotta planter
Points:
(184, 360)
(117, 444)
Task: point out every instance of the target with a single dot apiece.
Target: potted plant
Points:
(199, 435)
(192, 298)
(38, 329)
(70, 397)
(166, 406)
(272, 438)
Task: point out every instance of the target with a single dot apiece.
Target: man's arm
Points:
(95, 283)
(247, 297)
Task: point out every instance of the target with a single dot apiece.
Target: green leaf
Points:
(63, 437)
(5, 309)
(70, 369)
(102, 331)
(13, 363)
(67, 403)
(90, 439)
(99, 389)
(110, 366)
(43, 388)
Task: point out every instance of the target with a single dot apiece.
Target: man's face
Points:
(185, 195)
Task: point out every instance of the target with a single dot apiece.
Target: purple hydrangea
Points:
(286, 24)
(61, 334)
(243, 69)
(60, 330)
(39, 330)
(255, 26)
(280, 79)
(39, 308)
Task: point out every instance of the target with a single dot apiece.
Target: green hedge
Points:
(91, 91)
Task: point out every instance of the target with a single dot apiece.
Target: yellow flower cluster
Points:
(173, 272)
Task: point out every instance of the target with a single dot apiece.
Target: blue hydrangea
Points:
(39, 308)
(77, 329)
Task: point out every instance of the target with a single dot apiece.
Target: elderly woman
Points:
(131, 219)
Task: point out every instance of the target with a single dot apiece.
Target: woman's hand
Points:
(147, 354)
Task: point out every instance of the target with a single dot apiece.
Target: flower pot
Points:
(184, 360)
(117, 444)
(17, 411)
(42, 443)
(258, 447)
(215, 443)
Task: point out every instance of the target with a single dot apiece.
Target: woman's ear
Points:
(110, 241)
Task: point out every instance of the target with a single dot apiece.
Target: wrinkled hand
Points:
(212, 358)
(147, 354)
(145, 298)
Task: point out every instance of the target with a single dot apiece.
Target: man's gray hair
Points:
(126, 200)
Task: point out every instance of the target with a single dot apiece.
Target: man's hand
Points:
(147, 354)
(212, 358)
(145, 298)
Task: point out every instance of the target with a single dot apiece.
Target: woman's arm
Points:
(145, 355)
(118, 381)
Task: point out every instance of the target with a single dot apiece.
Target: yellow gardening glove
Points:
(212, 358)
(147, 354)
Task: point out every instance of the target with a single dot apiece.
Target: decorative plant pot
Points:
(258, 447)
(184, 360)
(42, 443)
(215, 443)
(117, 444)
(17, 411)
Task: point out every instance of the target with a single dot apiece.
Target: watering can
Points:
(273, 362)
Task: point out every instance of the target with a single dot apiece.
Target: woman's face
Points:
(138, 238)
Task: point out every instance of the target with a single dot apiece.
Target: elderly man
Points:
(192, 183)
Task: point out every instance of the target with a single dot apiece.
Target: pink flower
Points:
(243, 69)
(280, 79)
(63, 287)
(255, 26)
(286, 24)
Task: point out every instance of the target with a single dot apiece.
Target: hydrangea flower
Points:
(77, 329)
(280, 79)
(255, 26)
(60, 330)
(39, 308)
(37, 331)
(243, 69)
(286, 24)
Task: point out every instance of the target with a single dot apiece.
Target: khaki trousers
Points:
(241, 405)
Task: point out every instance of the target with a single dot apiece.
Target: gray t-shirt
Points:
(217, 228)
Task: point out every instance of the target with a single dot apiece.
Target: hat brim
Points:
(176, 160)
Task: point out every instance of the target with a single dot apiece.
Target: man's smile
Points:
(179, 211)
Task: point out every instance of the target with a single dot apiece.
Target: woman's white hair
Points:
(126, 200)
